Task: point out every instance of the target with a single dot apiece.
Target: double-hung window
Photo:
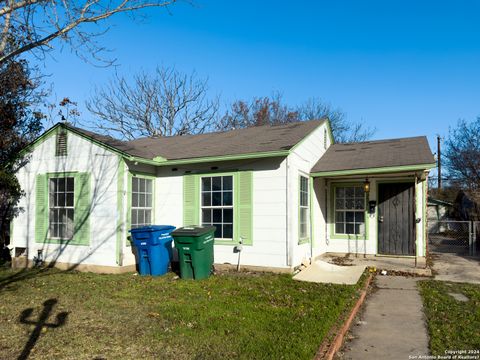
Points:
(142, 202)
(217, 205)
(61, 207)
(304, 208)
(349, 210)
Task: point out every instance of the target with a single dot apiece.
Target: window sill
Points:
(303, 241)
(63, 242)
(349, 237)
(230, 242)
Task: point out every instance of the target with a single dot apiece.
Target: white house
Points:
(287, 192)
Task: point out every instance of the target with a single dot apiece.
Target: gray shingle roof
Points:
(375, 154)
(242, 141)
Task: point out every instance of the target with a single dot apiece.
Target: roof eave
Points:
(258, 155)
(372, 171)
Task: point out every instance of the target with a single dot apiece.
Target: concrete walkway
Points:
(392, 325)
(451, 267)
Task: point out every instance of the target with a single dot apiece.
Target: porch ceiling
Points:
(375, 157)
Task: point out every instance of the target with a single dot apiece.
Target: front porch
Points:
(369, 199)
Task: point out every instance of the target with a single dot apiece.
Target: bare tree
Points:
(272, 110)
(168, 103)
(27, 25)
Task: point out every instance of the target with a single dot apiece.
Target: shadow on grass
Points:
(40, 323)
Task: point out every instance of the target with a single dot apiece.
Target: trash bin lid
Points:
(193, 230)
(151, 228)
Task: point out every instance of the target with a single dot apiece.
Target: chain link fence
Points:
(450, 236)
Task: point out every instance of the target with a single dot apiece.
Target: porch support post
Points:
(415, 218)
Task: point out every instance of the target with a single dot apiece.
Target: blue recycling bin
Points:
(153, 245)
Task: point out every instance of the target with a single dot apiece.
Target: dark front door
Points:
(396, 219)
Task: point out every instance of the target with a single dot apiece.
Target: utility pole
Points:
(439, 162)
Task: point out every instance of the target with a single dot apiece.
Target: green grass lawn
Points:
(452, 324)
(230, 315)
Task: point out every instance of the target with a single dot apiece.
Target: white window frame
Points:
(344, 210)
(218, 207)
(54, 207)
(142, 206)
(304, 194)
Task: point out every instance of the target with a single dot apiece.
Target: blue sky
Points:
(404, 67)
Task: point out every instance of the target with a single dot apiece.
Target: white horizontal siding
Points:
(83, 156)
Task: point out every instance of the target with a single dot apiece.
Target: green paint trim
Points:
(305, 240)
(120, 209)
(312, 217)
(305, 138)
(424, 220)
(387, 169)
(331, 214)
(226, 158)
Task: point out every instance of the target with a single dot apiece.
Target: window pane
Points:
(149, 184)
(349, 229)
(61, 185)
(216, 198)
(228, 215)
(303, 215)
(61, 199)
(207, 215)
(135, 184)
(217, 215)
(134, 199)
(228, 231)
(206, 184)
(303, 230)
(70, 182)
(340, 192)
(359, 204)
(134, 217)
(359, 217)
(349, 204)
(206, 199)
(339, 204)
(148, 200)
(349, 216)
(339, 228)
(141, 200)
(217, 183)
(227, 183)
(228, 198)
(142, 185)
(218, 230)
(349, 192)
(148, 217)
(140, 217)
(339, 216)
(358, 228)
(70, 199)
(55, 230)
(359, 192)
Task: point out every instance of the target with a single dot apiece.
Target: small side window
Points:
(325, 139)
(61, 144)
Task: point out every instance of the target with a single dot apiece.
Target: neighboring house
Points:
(438, 211)
(286, 192)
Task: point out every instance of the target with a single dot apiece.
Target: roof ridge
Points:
(320, 121)
(381, 140)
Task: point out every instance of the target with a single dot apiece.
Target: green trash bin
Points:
(195, 251)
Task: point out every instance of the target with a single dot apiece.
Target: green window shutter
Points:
(82, 209)
(191, 205)
(41, 209)
(244, 207)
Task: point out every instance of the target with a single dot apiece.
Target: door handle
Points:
(380, 219)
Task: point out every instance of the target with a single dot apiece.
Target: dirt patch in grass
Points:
(231, 315)
(452, 324)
